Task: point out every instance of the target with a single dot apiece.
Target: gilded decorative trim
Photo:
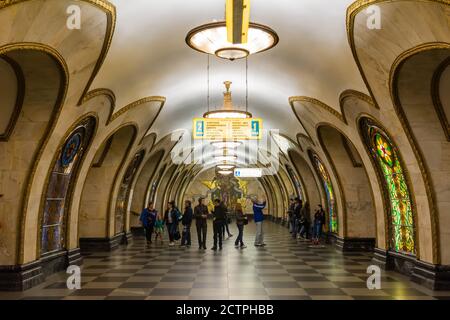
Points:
(435, 95)
(355, 94)
(19, 97)
(424, 169)
(64, 83)
(152, 175)
(136, 104)
(381, 184)
(337, 177)
(110, 11)
(345, 141)
(294, 167)
(305, 137)
(352, 11)
(319, 103)
(135, 127)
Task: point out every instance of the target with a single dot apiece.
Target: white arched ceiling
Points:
(149, 56)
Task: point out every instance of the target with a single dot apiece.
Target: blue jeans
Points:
(317, 230)
(239, 239)
(186, 236)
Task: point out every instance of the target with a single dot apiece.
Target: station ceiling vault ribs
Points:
(149, 56)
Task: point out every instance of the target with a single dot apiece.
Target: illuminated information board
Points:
(227, 129)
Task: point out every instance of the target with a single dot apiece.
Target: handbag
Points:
(245, 221)
(177, 235)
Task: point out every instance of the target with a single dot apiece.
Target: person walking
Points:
(305, 221)
(241, 221)
(219, 215)
(171, 218)
(319, 221)
(226, 223)
(291, 219)
(201, 222)
(159, 228)
(297, 214)
(148, 218)
(258, 217)
(186, 221)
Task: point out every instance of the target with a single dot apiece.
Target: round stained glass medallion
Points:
(71, 149)
(384, 150)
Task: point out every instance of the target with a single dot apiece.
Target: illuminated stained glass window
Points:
(296, 180)
(387, 160)
(329, 191)
(62, 178)
(124, 191)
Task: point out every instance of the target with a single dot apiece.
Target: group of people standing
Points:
(300, 221)
(153, 222)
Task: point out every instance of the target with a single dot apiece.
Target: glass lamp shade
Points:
(225, 172)
(227, 114)
(211, 38)
(226, 144)
(225, 167)
(226, 158)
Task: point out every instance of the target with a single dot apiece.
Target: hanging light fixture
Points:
(227, 111)
(225, 167)
(226, 144)
(235, 38)
(225, 172)
(226, 158)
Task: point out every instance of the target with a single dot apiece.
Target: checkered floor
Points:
(284, 269)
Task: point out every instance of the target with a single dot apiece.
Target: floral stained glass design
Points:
(60, 182)
(329, 191)
(387, 159)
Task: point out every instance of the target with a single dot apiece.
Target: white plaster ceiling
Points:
(149, 56)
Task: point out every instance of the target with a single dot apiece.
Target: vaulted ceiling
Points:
(149, 56)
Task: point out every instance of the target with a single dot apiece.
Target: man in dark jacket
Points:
(201, 219)
(186, 221)
(297, 216)
(219, 215)
(148, 218)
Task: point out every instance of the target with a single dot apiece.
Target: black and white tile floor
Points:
(284, 269)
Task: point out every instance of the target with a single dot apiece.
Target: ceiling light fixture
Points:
(226, 144)
(225, 158)
(235, 38)
(225, 172)
(225, 167)
(227, 111)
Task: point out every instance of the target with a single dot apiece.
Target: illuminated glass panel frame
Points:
(329, 192)
(124, 191)
(61, 181)
(389, 164)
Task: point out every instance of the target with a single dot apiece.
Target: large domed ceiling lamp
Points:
(235, 38)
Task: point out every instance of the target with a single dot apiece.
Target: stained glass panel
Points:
(58, 188)
(400, 214)
(329, 191)
(124, 191)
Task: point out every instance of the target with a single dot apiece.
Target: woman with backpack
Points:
(171, 218)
